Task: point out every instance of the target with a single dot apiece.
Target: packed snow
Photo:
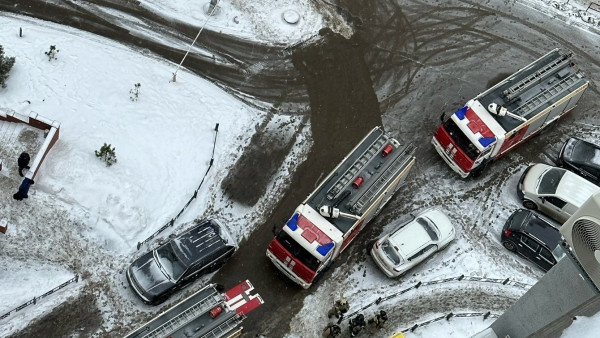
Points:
(87, 218)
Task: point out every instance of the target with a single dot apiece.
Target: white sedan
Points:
(412, 242)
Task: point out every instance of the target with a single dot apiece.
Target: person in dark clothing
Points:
(331, 331)
(357, 324)
(23, 189)
(378, 321)
(23, 163)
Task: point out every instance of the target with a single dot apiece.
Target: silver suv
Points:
(556, 192)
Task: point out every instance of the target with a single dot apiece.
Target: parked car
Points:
(554, 191)
(534, 237)
(582, 158)
(160, 272)
(412, 242)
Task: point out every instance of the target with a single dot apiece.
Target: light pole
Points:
(212, 8)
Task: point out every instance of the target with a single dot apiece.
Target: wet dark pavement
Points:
(343, 108)
(408, 62)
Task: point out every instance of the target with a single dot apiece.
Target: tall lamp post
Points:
(212, 8)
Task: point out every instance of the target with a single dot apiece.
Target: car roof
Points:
(575, 189)
(540, 227)
(581, 151)
(410, 238)
(202, 242)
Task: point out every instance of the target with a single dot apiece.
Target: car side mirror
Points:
(543, 199)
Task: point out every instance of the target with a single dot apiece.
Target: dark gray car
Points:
(533, 237)
(582, 158)
(160, 272)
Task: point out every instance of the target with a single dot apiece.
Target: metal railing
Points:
(172, 221)
(461, 278)
(35, 299)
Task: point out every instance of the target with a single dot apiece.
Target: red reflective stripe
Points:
(248, 306)
(312, 232)
(476, 125)
(237, 290)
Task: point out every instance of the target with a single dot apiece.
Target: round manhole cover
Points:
(291, 17)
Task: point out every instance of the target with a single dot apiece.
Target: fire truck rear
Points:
(335, 212)
(510, 113)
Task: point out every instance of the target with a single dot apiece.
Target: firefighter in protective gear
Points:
(376, 323)
(331, 331)
(357, 324)
(340, 307)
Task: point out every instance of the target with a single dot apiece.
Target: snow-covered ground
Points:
(85, 218)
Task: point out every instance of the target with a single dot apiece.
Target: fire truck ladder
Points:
(391, 171)
(546, 95)
(223, 328)
(515, 90)
(186, 316)
(356, 167)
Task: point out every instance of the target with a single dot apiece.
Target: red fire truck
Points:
(335, 212)
(510, 113)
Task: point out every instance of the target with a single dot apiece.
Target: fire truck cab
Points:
(510, 113)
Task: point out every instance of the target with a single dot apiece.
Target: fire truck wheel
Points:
(477, 171)
(529, 205)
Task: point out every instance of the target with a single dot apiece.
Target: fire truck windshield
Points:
(460, 139)
(298, 251)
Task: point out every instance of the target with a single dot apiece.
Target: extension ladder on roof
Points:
(186, 316)
(382, 181)
(224, 327)
(357, 166)
(546, 95)
(515, 90)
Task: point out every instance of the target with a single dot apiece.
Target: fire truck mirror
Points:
(443, 117)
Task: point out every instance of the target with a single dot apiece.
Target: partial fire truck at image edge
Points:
(340, 207)
(209, 312)
(510, 113)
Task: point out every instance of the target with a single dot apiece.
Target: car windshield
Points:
(298, 251)
(518, 218)
(430, 227)
(585, 153)
(461, 139)
(390, 252)
(558, 252)
(549, 181)
(168, 262)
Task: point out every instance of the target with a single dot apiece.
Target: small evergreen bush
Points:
(6, 64)
(107, 154)
(52, 53)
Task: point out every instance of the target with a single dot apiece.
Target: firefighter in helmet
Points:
(332, 330)
(376, 323)
(340, 307)
(357, 324)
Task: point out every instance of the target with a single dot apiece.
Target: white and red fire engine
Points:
(335, 212)
(510, 113)
(208, 313)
